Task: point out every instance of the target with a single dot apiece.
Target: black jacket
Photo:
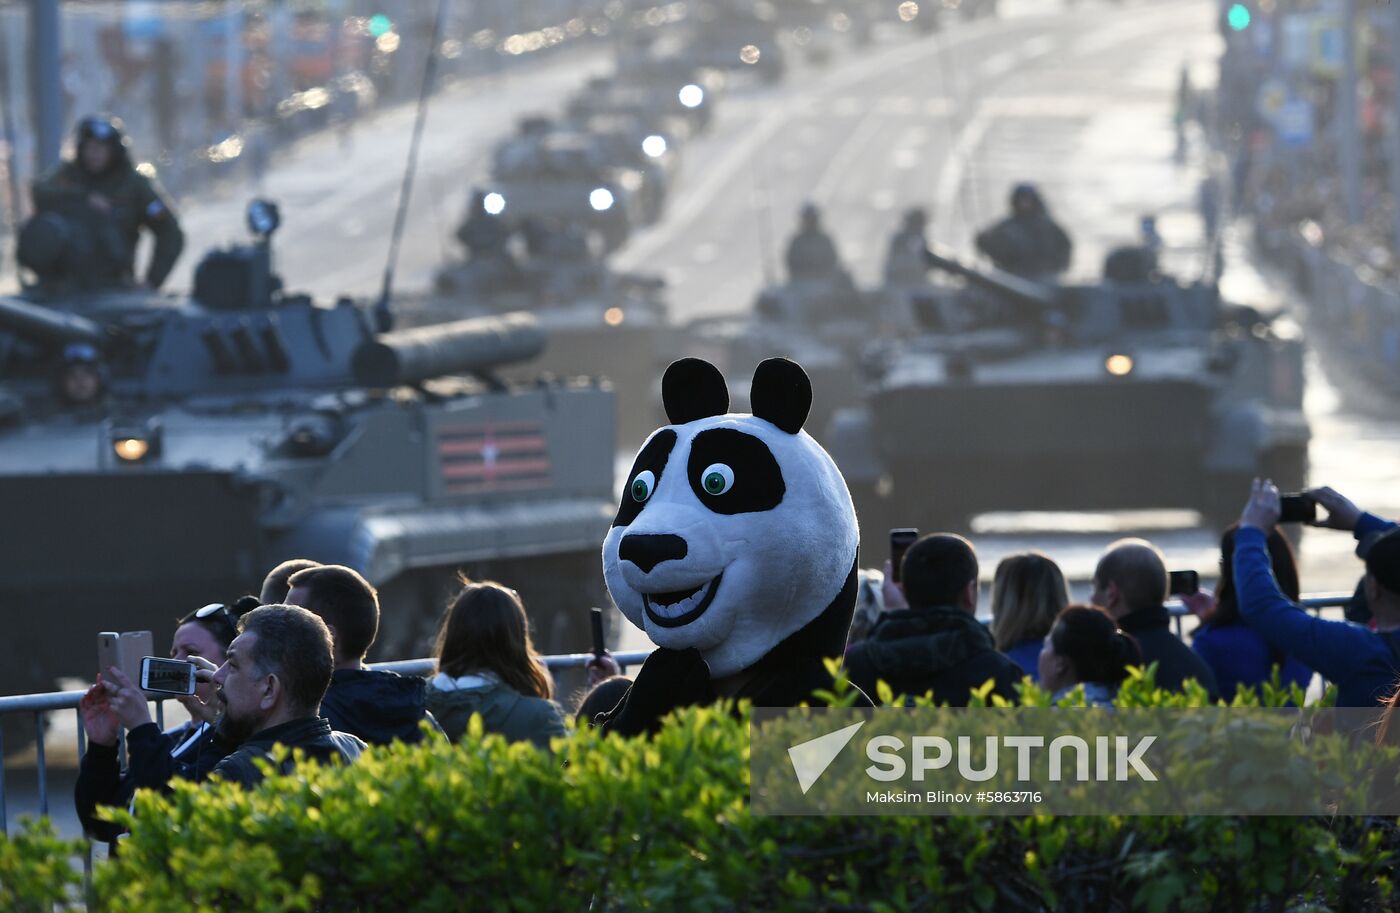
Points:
(1176, 662)
(153, 759)
(1031, 245)
(940, 649)
(785, 677)
(313, 735)
(378, 707)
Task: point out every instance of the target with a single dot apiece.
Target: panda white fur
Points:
(736, 541)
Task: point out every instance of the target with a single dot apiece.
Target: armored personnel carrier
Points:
(541, 175)
(1151, 394)
(683, 107)
(599, 323)
(825, 324)
(159, 452)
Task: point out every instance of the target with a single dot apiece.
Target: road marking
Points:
(722, 170)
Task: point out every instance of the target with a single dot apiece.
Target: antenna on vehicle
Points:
(383, 313)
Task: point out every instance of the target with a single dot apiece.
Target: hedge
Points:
(662, 824)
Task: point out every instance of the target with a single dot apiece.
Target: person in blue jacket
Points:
(1364, 664)
(1237, 654)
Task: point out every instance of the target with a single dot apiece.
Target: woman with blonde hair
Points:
(487, 665)
(1028, 593)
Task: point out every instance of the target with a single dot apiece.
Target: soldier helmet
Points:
(105, 128)
(1026, 195)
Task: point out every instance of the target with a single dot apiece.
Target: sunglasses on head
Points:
(217, 611)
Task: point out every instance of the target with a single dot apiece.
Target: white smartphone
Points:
(167, 676)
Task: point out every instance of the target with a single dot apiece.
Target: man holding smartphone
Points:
(153, 757)
(1364, 664)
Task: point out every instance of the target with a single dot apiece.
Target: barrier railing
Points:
(41, 704)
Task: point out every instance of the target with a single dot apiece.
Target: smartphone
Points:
(124, 651)
(1297, 509)
(900, 540)
(595, 615)
(1184, 583)
(167, 676)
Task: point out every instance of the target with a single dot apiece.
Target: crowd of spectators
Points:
(1282, 181)
(287, 667)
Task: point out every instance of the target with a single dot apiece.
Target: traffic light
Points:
(1238, 17)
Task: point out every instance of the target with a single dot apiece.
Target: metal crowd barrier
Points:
(41, 704)
(1360, 310)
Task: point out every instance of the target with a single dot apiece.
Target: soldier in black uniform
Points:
(485, 236)
(811, 253)
(89, 212)
(1028, 242)
(908, 259)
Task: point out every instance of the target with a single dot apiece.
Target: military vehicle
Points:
(1151, 394)
(683, 107)
(160, 452)
(640, 157)
(823, 324)
(733, 39)
(544, 175)
(598, 322)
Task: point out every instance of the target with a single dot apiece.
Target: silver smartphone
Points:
(124, 651)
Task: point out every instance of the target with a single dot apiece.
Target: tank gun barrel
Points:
(995, 280)
(461, 347)
(41, 324)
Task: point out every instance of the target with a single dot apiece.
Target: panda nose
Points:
(646, 552)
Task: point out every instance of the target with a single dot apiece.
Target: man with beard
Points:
(270, 688)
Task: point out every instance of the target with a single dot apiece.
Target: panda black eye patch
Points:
(757, 479)
(652, 459)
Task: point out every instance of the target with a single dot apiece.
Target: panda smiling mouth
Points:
(681, 607)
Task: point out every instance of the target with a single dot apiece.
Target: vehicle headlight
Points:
(136, 443)
(494, 204)
(600, 199)
(654, 146)
(1118, 364)
(691, 95)
(131, 449)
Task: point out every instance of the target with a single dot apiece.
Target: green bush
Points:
(614, 824)
(37, 873)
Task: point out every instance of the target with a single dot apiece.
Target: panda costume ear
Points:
(781, 393)
(692, 389)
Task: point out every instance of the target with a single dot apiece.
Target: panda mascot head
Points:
(735, 544)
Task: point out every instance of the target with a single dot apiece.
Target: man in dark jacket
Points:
(271, 685)
(379, 707)
(90, 210)
(811, 253)
(1027, 242)
(936, 644)
(1130, 582)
